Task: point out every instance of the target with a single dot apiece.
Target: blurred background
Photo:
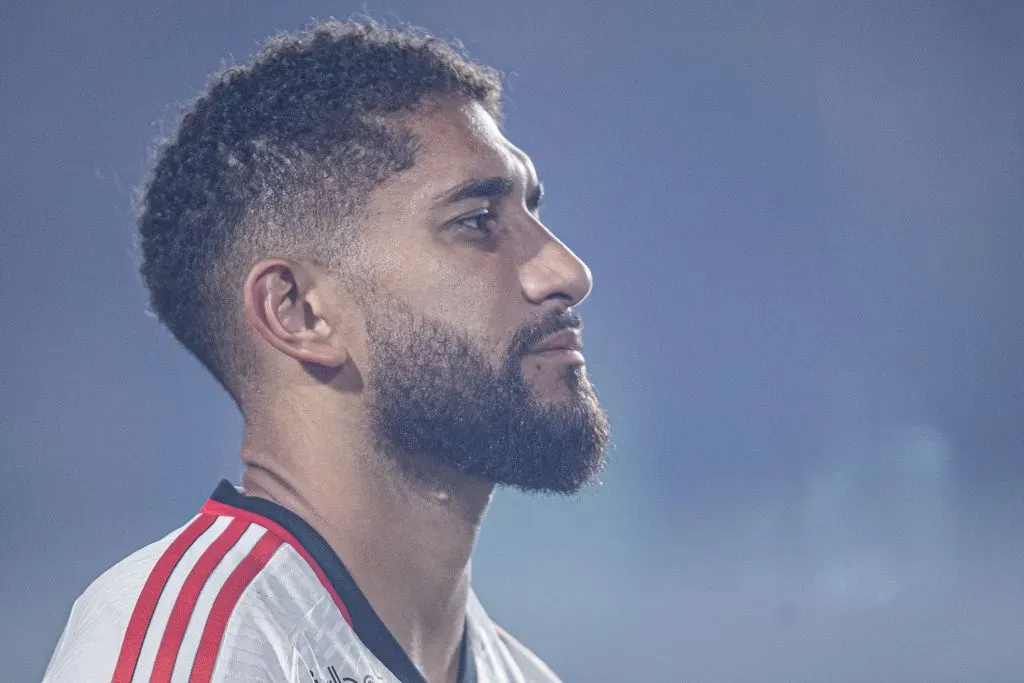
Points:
(804, 220)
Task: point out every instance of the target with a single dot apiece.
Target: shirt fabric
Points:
(248, 592)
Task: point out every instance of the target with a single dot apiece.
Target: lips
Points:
(566, 340)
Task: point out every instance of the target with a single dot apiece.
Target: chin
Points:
(570, 381)
(559, 395)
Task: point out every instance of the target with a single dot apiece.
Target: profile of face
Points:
(454, 329)
(467, 284)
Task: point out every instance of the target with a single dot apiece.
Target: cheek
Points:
(485, 306)
(477, 293)
(473, 297)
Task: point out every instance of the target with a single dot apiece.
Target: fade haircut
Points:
(276, 159)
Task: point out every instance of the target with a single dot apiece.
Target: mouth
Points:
(560, 355)
(565, 346)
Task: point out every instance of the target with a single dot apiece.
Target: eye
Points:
(535, 200)
(478, 222)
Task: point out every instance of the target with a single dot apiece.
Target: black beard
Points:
(436, 400)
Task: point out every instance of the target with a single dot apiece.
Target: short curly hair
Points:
(276, 158)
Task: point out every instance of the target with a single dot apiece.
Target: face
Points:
(467, 288)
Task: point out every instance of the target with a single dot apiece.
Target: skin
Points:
(309, 441)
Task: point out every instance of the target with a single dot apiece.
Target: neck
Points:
(407, 543)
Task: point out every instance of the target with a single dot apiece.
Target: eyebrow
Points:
(488, 188)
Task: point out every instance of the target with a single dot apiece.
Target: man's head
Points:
(345, 214)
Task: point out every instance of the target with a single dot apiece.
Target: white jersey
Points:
(248, 592)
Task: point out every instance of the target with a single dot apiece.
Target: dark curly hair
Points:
(276, 158)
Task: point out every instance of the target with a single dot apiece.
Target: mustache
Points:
(532, 333)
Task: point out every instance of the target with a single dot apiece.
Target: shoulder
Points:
(216, 584)
(94, 631)
(533, 669)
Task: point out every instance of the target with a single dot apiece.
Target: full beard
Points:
(436, 399)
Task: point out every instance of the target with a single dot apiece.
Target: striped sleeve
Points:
(161, 614)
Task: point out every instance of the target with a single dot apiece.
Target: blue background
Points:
(805, 225)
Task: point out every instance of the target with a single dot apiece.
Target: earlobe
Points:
(283, 304)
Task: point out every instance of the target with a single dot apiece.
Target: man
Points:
(340, 232)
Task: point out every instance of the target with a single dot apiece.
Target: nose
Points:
(554, 271)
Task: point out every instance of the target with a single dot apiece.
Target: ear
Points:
(287, 304)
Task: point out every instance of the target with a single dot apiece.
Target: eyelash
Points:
(487, 216)
(483, 216)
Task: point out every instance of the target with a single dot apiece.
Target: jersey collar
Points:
(328, 566)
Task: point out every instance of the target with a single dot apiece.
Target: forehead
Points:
(461, 135)
(458, 141)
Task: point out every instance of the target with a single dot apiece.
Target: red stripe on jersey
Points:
(224, 605)
(216, 508)
(138, 624)
(181, 613)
